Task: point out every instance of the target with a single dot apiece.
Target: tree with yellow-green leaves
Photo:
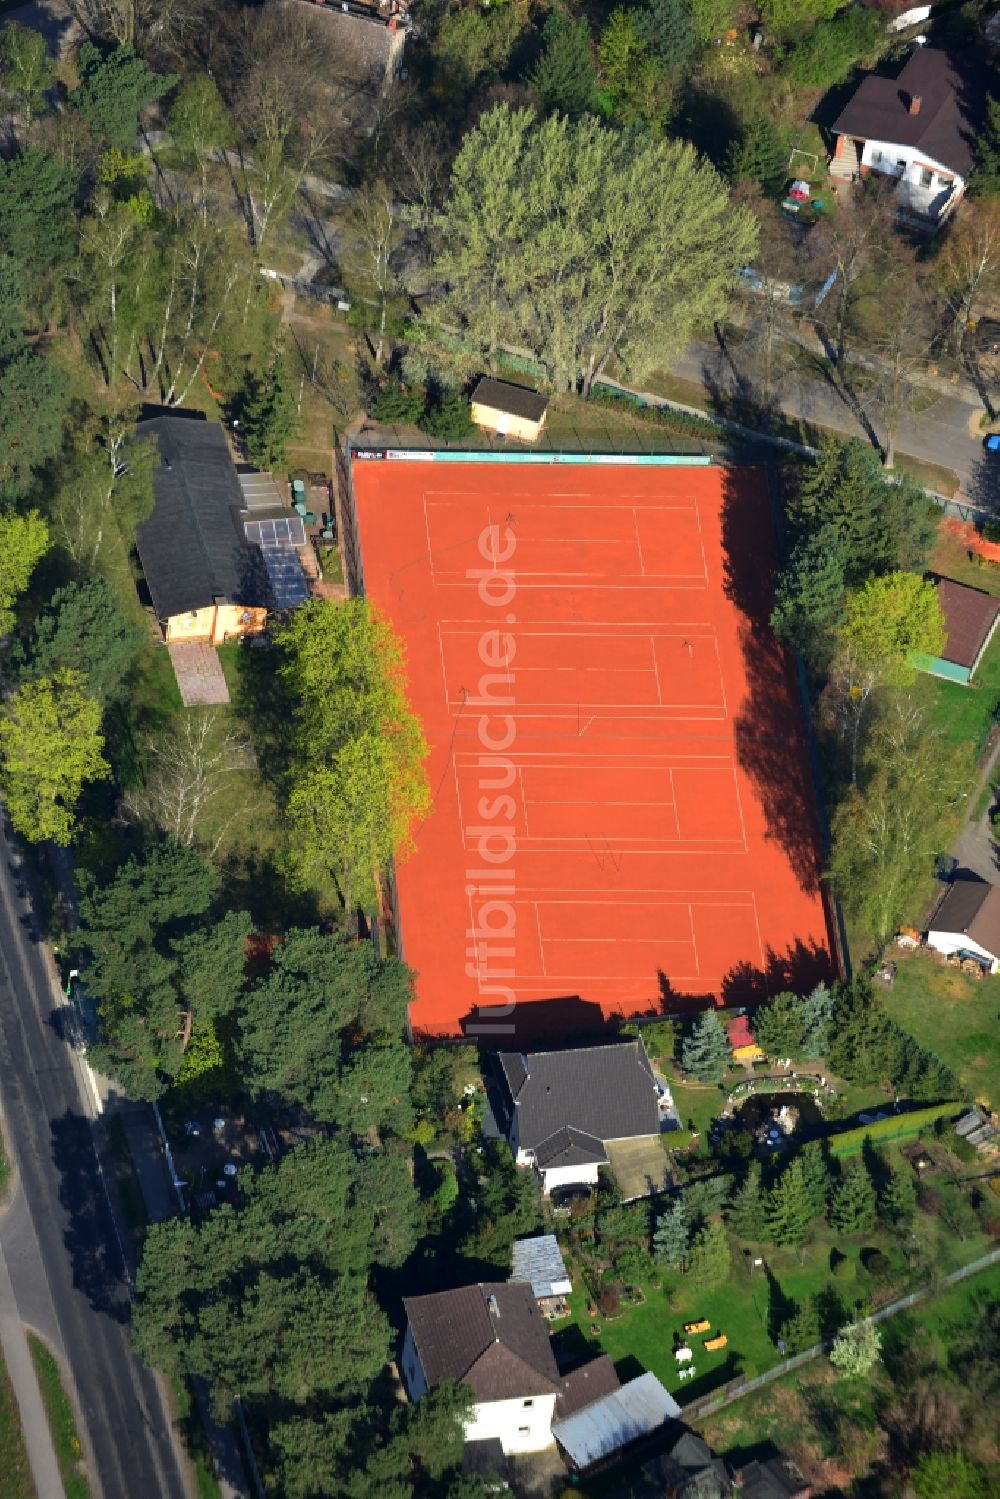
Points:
(357, 775)
(50, 747)
(24, 540)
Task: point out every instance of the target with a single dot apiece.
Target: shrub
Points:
(877, 1264)
(842, 1267)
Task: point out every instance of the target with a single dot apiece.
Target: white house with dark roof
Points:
(492, 1338)
(560, 1109)
(918, 128)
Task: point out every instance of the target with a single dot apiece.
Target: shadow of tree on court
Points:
(799, 969)
(537, 1022)
(769, 732)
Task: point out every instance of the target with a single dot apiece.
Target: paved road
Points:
(938, 435)
(61, 1245)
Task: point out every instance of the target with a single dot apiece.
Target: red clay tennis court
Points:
(622, 803)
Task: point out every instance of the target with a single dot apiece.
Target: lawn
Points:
(964, 714)
(642, 1337)
(16, 1478)
(813, 1416)
(62, 1422)
(953, 1015)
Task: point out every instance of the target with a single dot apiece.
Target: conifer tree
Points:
(747, 1213)
(852, 1205)
(269, 417)
(672, 1236)
(705, 1050)
(816, 1175)
(802, 1330)
(898, 1200)
(788, 1206)
(709, 1260)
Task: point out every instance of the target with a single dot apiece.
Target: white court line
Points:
(694, 941)
(739, 808)
(760, 937)
(524, 801)
(656, 668)
(638, 541)
(541, 944)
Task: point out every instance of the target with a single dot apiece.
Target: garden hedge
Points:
(896, 1127)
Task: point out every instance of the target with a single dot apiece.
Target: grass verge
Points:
(15, 1475)
(62, 1422)
(195, 1441)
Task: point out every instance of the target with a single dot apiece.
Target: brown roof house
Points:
(509, 410)
(970, 618)
(967, 921)
(492, 1338)
(917, 128)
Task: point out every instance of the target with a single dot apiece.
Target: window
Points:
(926, 177)
(876, 158)
(901, 164)
(523, 1431)
(527, 1404)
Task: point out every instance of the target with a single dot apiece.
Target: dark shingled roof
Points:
(500, 395)
(969, 617)
(192, 548)
(490, 1337)
(774, 1478)
(971, 908)
(568, 1101)
(686, 1467)
(570, 1147)
(952, 97)
(583, 1386)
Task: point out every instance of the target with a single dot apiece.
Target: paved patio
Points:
(200, 678)
(641, 1166)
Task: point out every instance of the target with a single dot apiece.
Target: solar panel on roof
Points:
(288, 531)
(288, 582)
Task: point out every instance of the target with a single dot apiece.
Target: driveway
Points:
(976, 847)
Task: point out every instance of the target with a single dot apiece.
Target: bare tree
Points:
(966, 274)
(188, 767)
(900, 337)
(375, 233)
(848, 243)
(420, 168)
(147, 25)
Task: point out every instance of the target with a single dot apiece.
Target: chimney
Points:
(915, 103)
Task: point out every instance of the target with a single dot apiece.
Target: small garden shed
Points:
(509, 410)
(970, 618)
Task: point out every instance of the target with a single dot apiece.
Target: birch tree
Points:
(375, 233)
(187, 768)
(585, 245)
(891, 824)
(967, 272)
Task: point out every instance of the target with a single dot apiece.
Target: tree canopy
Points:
(83, 628)
(581, 243)
(50, 748)
(325, 1027)
(114, 86)
(358, 783)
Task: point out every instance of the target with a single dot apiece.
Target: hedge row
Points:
(681, 422)
(896, 1127)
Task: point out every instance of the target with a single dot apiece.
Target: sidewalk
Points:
(34, 1422)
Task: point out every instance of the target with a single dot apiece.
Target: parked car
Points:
(993, 443)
